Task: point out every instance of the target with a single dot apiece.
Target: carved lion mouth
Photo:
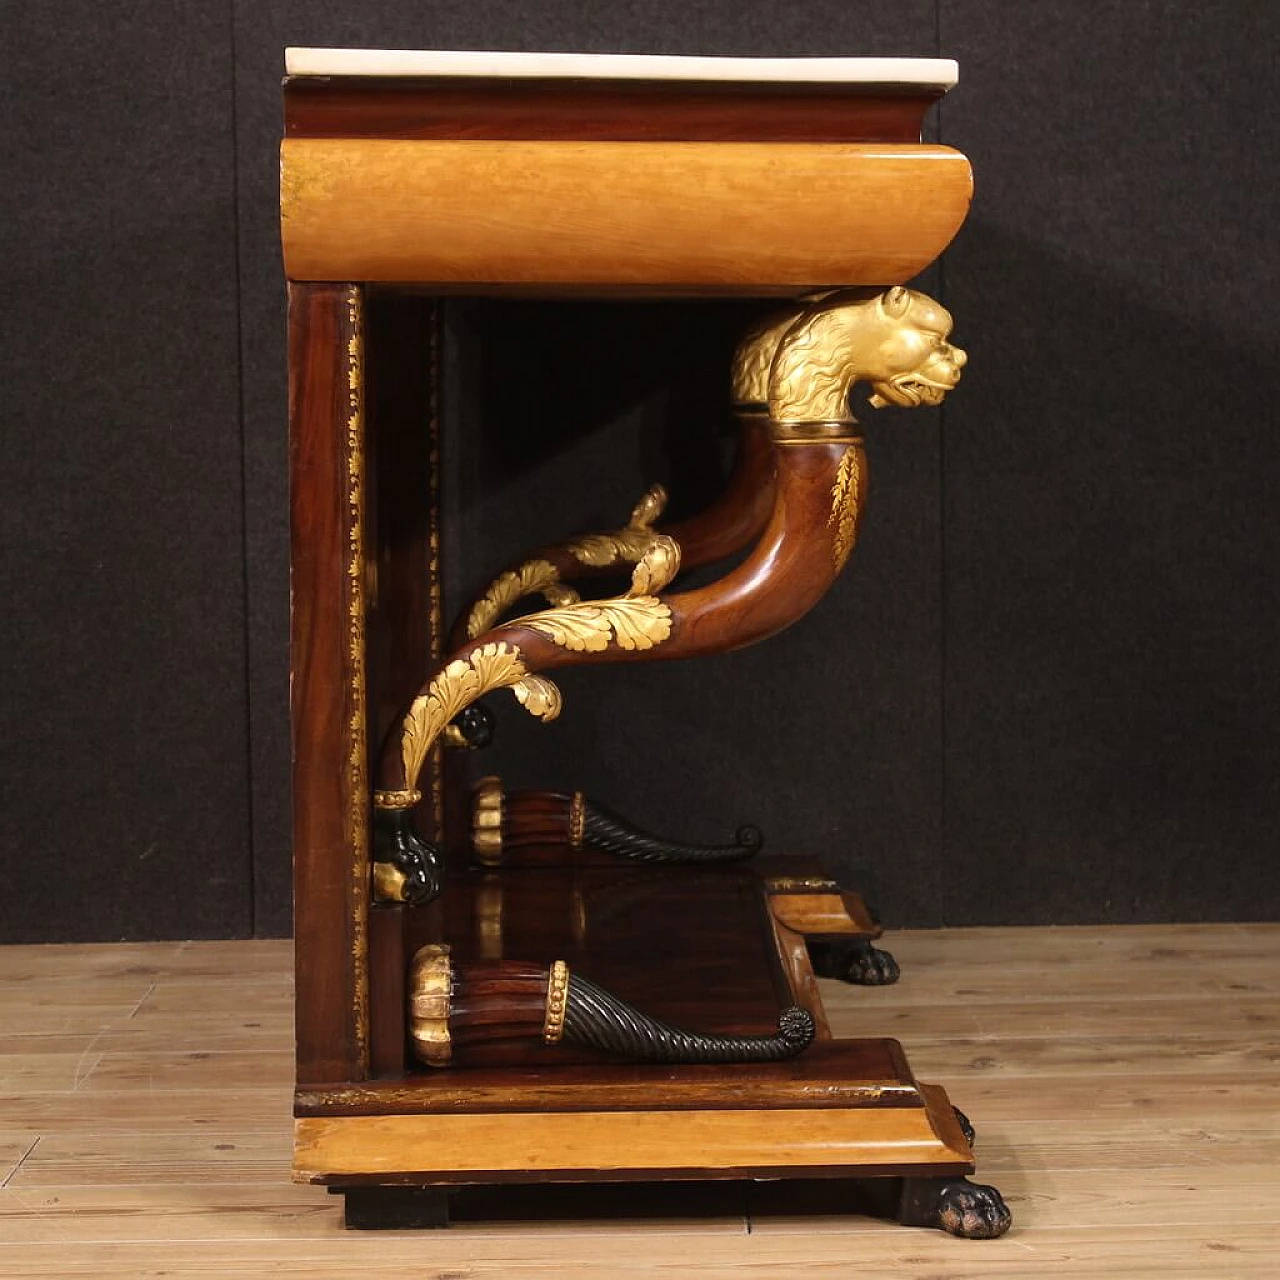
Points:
(908, 390)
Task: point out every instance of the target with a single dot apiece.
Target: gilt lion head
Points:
(896, 341)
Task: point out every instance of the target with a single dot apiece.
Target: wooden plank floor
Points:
(1125, 1083)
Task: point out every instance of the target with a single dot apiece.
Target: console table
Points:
(479, 999)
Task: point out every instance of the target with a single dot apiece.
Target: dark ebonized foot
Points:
(419, 861)
(394, 1208)
(856, 962)
(963, 1208)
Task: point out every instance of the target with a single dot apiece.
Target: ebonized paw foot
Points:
(966, 1126)
(858, 963)
(967, 1209)
(395, 842)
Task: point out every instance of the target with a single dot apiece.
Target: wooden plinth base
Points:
(715, 950)
(641, 1144)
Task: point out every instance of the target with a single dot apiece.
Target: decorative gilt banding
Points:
(557, 1003)
(843, 520)
(430, 1004)
(357, 818)
(782, 884)
(396, 799)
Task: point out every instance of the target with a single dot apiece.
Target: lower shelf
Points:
(720, 951)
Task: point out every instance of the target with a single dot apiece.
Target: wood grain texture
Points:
(712, 217)
(622, 1145)
(1166, 1171)
(327, 681)
(353, 107)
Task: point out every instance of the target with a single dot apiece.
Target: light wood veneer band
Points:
(619, 1141)
(691, 216)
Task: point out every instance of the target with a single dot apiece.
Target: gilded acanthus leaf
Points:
(639, 622)
(559, 595)
(626, 545)
(659, 563)
(538, 696)
(580, 628)
(535, 576)
(649, 508)
(492, 666)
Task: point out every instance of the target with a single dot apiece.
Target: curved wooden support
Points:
(721, 530)
(816, 507)
(460, 1013)
(731, 523)
(897, 341)
(548, 828)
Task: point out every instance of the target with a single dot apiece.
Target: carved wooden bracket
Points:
(896, 341)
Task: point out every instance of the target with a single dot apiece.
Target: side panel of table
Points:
(328, 697)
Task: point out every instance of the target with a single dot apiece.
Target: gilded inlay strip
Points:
(577, 819)
(357, 758)
(781, 884)
(557, 1003)
(434, 584)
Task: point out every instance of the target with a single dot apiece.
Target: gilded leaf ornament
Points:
(538, 696)
(626, 545)
(637, 620)
(843, 520)
(492, 666)
(535, 577)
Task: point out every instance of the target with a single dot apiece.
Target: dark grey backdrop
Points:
(1046, 689)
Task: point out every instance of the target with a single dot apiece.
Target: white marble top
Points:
(929, 73)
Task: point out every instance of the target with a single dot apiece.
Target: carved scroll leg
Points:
(542, 828)
(457, 1012)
